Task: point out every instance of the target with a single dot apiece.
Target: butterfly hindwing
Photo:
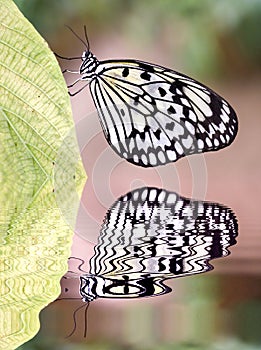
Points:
(152, 115)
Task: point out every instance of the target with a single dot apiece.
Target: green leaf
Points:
(40, 177)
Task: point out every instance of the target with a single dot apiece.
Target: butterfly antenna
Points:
(80, 265)
(86, 37)
(74, 321)
(77, 36)
(67, 58)
(85, 320)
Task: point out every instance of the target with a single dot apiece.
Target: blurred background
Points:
(218, 43)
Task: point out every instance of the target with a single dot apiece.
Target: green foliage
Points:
(38, 163)
(35, 112)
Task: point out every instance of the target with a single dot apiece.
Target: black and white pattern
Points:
(151, 235)
(152, 115)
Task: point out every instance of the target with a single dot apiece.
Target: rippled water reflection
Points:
(150, 235)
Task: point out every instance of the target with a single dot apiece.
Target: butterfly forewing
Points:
(152, 115)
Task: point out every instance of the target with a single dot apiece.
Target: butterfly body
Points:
(152, 115)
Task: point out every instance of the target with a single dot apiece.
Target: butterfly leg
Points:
(70, 71)
(75, 93)
(74, 83)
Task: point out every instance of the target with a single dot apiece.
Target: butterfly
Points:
(152, 115)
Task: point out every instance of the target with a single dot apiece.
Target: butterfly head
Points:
(89, 65)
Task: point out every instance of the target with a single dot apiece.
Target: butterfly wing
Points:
(152, 115)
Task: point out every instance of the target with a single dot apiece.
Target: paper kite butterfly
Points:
(152, 115)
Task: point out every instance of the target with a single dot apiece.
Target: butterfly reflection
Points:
(151, 235)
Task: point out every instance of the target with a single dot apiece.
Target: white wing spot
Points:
(216, 142)
(211, 131)
(161, 196)
(171, 155)
(143, 144)
(200, 144)
(152, 195)
(161, 157)
(135, 195)
(147, 98)
(178, 148)
(190, 127)
(208, 142)
(187, 142)
(144, 194)
(201, 128)
(192, 116)
(135, 158)
(131, 145)
(144, 159)
(172, 197)
(222, 128)
(224, 117)
(185, 102)
(222, 138)
(226, 108)
(152, 158)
